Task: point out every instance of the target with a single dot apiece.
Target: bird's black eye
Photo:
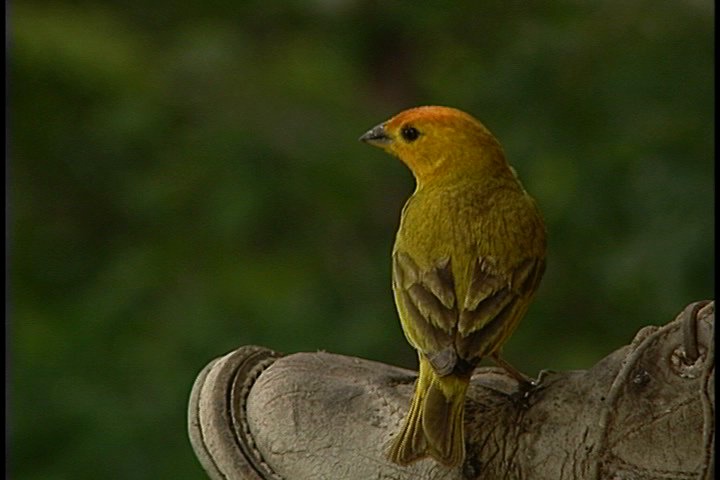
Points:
(410, 134)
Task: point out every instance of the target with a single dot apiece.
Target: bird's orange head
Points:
(438, 141)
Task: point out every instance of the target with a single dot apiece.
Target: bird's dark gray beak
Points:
(376, 136)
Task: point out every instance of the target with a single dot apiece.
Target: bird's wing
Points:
(494, 304)
(444, 329)
(428, 308)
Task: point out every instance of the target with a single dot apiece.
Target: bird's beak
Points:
(376, 136)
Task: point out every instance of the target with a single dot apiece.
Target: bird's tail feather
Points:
(434, 425)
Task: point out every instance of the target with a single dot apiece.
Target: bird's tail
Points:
(434, 424)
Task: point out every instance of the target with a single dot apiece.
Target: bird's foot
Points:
(525, 383)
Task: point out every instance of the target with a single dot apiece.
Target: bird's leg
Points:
(526, 383)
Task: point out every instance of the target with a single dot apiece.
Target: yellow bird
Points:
(467, 260)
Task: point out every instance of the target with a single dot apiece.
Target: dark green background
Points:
(185, 178)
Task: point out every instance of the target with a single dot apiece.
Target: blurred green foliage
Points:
(185, 178)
